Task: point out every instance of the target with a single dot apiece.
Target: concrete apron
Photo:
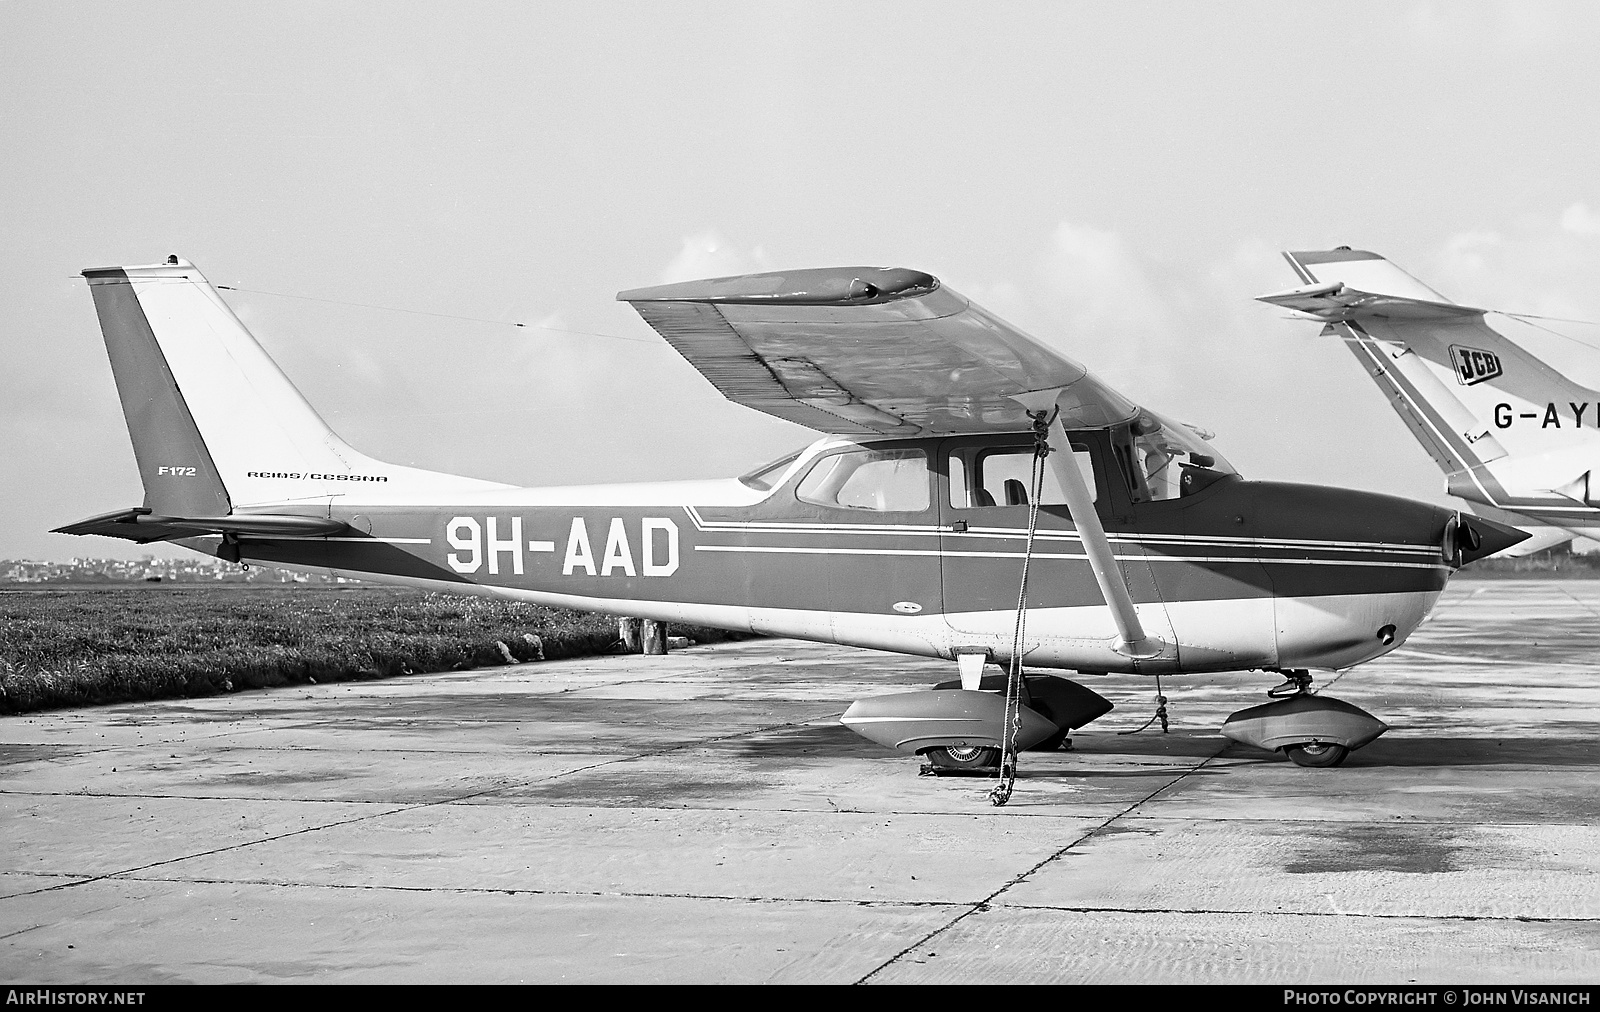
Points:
(702, 817)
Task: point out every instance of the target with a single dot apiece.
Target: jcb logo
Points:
(1474, 366)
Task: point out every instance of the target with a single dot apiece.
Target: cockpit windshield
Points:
(767, 475)
(1152, 451)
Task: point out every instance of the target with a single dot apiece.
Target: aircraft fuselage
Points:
(1229, 575)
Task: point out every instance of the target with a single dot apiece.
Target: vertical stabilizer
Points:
(215, 423)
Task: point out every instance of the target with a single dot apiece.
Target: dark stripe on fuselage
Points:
(352, 556)
(662, 554)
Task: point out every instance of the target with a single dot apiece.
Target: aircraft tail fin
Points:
(180, 478)
(215, 424)
(1508, 430)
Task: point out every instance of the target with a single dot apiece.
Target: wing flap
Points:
(701, 334)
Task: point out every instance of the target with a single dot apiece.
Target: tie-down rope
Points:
(1013, 711)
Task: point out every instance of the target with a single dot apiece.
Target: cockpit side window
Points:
(894, 481)
(1151, 453)
(982, 476)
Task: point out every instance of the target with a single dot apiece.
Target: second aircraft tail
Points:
(1510, 432)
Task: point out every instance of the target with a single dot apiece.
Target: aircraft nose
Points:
(1379, 568)
(1470, 538)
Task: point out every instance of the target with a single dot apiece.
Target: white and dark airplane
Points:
(908, 528)
(1516, 439)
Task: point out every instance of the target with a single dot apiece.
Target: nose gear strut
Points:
(1297, 683)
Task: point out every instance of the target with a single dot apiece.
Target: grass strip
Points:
(113, 645)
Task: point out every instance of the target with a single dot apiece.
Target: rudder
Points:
(180, 478)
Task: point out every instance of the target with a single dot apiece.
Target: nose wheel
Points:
(1314, 754)
(1309, 728)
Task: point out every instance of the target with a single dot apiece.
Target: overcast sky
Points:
(1116, 178)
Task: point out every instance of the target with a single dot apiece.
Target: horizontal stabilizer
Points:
(140, 525)
(1337, 302)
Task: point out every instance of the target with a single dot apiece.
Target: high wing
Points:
(869, 351)
(890, 352)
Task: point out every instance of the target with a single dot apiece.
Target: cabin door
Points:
(984, 516)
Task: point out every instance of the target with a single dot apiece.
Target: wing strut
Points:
(1132, 640)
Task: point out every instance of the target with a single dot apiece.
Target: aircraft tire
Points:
(1319, 755)
(964, 757)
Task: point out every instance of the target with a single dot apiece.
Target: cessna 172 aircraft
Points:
(907, 528)
(1515, 438)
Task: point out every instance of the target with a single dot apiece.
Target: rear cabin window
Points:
(889, 481)
(1003, 475)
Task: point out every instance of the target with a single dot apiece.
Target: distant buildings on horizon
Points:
(150, 570)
